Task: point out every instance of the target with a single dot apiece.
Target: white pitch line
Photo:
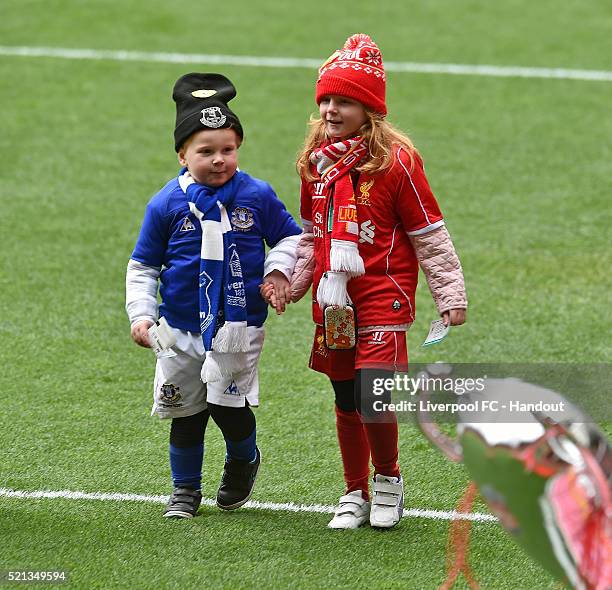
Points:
(256, 505)
(294, 62)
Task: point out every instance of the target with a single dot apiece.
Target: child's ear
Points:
(181, 157)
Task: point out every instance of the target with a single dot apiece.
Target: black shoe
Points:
(237, 482)
(183, 503)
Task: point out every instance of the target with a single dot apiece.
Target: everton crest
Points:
(242, 218)
(212, 117)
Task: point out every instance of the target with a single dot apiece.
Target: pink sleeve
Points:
(416, 204)
(442, 269)
(305, 203)
(304, 267)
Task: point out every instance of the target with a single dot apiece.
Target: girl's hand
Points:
(456, 317)
(140, 333)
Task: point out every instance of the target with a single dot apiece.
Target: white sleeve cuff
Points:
(426, 229)
(283, 256)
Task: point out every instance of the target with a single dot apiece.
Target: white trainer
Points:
(387, 501)
(352, 512)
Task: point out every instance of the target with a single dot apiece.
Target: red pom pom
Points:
(355, 41)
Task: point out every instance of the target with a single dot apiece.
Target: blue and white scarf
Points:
(223, 315)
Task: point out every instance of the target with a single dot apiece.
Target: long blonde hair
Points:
(379, 135)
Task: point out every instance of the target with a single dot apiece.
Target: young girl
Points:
(370, 219)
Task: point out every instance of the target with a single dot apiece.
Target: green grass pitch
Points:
(521, 168)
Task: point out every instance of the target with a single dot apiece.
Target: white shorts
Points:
(178, 390)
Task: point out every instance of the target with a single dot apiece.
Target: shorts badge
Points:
(242, 218)
(396, 305)
(212, 117)
(232, 389)
(170, 393)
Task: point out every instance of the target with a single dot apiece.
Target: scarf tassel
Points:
(219, 366)
(232, 337)
(344, 257)
(345, 263)
(228, 355)
(332, 289)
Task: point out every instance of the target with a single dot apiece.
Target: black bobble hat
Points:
(201, 103)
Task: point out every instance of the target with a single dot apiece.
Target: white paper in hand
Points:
(437, 333)
(162, 339)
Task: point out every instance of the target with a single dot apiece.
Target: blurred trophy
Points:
(546, 476)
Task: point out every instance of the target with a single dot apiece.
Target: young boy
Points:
(203, 240)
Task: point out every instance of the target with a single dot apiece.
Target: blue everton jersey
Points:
(171, 237)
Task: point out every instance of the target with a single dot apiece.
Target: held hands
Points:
(140, 333)
(276, 290)
(454, 317)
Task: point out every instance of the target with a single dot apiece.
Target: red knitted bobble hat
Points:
(355, 71)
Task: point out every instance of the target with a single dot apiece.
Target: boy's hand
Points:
(456, 317)
(266, 291)
(280, 295)
(140, 333)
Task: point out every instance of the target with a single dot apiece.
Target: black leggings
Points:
(188, 431)
(358, 394)
(236, 424)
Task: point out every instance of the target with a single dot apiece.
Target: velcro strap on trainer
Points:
(352, 509)
(389, 488)
(385, 500)
(348, 499)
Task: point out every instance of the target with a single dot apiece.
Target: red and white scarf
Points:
(334, 163)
